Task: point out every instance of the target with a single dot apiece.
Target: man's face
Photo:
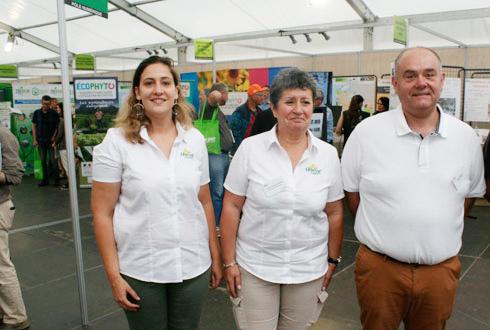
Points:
(45, 105)
(258, 98)
(224, 98)
(418, 81)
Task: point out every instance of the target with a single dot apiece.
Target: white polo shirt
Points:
(283, 233)
(412, 190)
(160, 227)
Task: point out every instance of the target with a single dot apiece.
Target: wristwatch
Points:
(334, 261)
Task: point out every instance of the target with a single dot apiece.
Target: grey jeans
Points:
(172, 306)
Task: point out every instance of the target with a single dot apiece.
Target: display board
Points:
(344, 88)
(477, 100)
(27, 97)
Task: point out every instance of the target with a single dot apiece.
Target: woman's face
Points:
(294, 109)
(380, 106)
(157, 90)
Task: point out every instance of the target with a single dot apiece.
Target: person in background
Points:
(382, 105)
(12, 310)
(265, 105)
(153, 214)
(243, 118)
(409, 196)
(350, 118)
(282, 220)
(328, 123)
(218, 163)
(44, 125)
(54, 105)
(60, 145)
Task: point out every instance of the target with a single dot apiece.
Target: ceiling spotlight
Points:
(54, 66)
(325, 35)
(308, 38)
(155, 52)
(149, 52)
(10, 43)
(293, 40)
(163, 50)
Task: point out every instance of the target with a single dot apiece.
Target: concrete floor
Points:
(42, 249)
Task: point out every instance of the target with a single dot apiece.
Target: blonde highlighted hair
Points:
(131, 121)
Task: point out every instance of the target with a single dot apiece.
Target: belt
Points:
(387, 257)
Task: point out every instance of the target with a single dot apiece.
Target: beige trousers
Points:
(11, 304)
(263, 305)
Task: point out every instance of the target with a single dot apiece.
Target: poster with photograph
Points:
(450, 99)
(344, 88)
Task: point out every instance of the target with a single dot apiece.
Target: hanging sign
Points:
(203, 49)
(8, 71)
(84, 62)
(96, 7)
(400, 27)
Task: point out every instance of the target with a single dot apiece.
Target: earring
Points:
(174, 108)
(139, 110)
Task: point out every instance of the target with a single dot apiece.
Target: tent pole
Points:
(71, 162)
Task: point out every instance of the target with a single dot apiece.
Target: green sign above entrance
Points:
(96, 7)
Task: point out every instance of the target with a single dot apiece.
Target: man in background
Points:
(328, 122)
(243, 118)
(44, 126)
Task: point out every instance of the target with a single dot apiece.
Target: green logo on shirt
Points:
(313, 169)
(187, 154)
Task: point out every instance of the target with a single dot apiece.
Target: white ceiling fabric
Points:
(242, 29)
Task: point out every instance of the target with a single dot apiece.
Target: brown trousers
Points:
(390, 292)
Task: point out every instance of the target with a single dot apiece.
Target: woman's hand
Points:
(121, 291)
(216, 274)
(328, 276)
(233, 280)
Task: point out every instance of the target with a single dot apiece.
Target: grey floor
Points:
(42, 249)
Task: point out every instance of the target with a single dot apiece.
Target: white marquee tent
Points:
(242, 30)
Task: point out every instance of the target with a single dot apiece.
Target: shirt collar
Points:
(272, 139)
(181, 133)
(402, 127)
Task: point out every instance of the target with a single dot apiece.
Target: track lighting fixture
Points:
(163, 50)
(293, 40)
(325, 35)
(149, 52)
(10, 42)
(308, 38)
(155, 52)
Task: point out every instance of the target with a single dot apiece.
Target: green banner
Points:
(400, 27)
(8, 71)
(84, 62)
(96, 7)
(203, 49)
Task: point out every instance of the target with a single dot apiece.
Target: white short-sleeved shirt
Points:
(283, 232)
(412, 190)
(160, 227)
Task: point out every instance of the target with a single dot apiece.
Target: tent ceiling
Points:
(242, 30)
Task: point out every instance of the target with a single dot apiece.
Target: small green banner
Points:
(203, 49)
(84, 62)
(400, 27)
(8, 71)
(96, 7)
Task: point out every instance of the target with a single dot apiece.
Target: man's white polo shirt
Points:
(159, 224)
(283, 233)
(412, 190)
